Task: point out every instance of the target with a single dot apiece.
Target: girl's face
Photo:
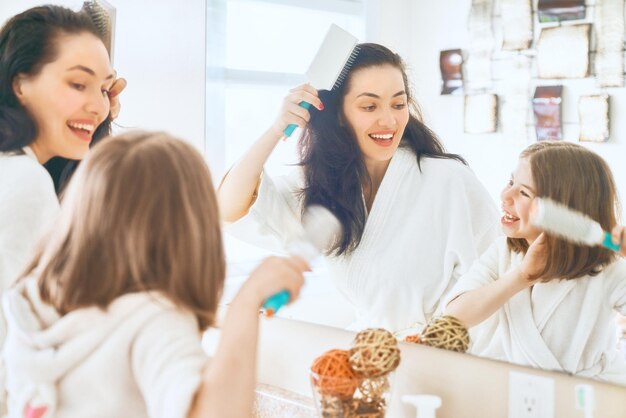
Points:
(376, 108)
(517, 198)
(68, 99)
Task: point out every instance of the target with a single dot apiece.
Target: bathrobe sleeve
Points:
(470, 216)
(617, 289)
(28, 205)
(275, 215)
(167, 362)
(483, 271)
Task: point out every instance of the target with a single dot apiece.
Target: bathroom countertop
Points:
(271, 401)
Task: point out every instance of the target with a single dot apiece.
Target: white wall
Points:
(425, 27)
(160, 50)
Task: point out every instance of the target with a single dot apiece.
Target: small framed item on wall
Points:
(560, 10)
(594, 117)
(451, 64)
(609, 34)
(481, 113)
(547, 111)
(563, 52)
(517, 24)
(477, 65)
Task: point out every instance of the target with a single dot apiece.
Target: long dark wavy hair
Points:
(28, 41)
(334, 168)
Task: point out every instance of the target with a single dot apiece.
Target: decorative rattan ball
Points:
(333, 374)
(446, 332)
(415, 339)
(370, 409)
(374, 353)
(374, 389)
(333, 407)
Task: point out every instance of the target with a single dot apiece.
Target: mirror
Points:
(165, 65)
(249, 70)
(250, 75)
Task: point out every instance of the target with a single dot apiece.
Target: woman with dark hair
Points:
(414, 217)
(56, 100)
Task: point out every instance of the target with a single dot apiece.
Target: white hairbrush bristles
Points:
(569, 224)
(320, 230)
(102, 14)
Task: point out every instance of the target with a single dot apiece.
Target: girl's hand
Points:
(273, 275)
(618, 236)
(118, 86)
(535, 260)
(292, 113)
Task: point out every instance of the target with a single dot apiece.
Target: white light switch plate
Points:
(530, 396)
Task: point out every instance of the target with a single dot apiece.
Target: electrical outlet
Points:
(530, 396)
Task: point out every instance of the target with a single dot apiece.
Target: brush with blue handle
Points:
(290, 128)
(320, 228)
(331, 64)
(569, 224)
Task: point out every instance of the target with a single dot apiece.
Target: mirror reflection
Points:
(416, 196)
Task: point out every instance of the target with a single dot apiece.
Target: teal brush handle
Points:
(608, 243)
(289, 129)
(275, 302)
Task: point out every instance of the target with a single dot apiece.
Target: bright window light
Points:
(258, 50)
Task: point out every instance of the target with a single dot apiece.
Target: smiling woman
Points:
(56, 82)
(413, 216)
(68, 99)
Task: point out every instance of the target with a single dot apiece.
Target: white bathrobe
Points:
(28, 205)
(140, 358)
(564, 325)
(424, 230)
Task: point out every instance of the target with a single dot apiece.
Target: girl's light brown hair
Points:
(579, 178)
(139, 215)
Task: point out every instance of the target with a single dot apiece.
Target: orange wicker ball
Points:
(374, 353)
(416, 339)
(333, 374)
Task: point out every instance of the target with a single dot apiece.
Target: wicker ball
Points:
(446, 332)
(415, 339)
(333, 407)
(374, 353)
(370, 409)
(333, 374)
(374, 389)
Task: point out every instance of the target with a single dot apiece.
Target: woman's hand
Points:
(618, 235)
(292, 113)
(118, 86)
(535, 260)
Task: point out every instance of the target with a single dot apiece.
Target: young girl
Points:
(553, 302)
(107, 320)
(413, 217)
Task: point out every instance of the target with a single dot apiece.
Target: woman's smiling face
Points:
(375, 107)
(68, 99)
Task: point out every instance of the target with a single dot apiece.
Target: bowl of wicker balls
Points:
(356, 383)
